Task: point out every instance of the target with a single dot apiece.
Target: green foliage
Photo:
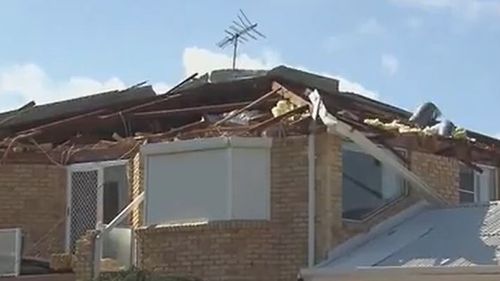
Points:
(135, 274)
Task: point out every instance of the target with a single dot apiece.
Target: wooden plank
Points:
(157, 101)
(277, 119)
(290, 95)
(63, 121)
(140, 106)
(193, 110)
(247, 107)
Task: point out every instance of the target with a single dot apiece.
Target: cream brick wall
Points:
(441, 173)
(231, 250)
(34, 198)
(277, 249)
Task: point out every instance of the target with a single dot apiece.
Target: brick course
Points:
(229, 250)
(34, 198)
(441, 173)
(277, 249)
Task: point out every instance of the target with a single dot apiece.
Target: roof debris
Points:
(274, 103)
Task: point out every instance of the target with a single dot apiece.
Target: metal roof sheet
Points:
(467, 235)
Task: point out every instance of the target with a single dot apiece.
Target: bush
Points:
(135, 274)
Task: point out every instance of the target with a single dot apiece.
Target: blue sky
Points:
(403, 52)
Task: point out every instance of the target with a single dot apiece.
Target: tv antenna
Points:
(239, 32)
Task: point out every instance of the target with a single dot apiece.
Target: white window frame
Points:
(353, 147)
(82, 167)
(205, 144)
(475, 192)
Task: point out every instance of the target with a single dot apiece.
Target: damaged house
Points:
(247, 175)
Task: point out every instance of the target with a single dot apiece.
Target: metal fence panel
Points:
(84, 193)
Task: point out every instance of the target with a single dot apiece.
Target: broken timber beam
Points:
(277, 119)
(252, 104)
(192, 110)
(334, 125)
(290, 95)
(51, 125)
(153, 102)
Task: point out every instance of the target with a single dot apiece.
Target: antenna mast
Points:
(240, 31)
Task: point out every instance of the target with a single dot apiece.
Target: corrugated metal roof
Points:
(463, 236)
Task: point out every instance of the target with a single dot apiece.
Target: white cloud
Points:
(202, 60)
(414, 23)
(350, 86)
(371, 26)
(470, 9)
(161, 87)
(30, 82)
(390, 64)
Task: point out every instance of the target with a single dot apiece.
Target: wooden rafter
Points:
(247, 107)
(289, 94)
(193, 110)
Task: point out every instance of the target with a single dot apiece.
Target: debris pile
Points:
(105, 134)
(423, 122)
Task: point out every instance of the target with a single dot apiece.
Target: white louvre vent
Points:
(10, 251)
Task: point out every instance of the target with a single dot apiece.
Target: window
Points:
(207, 179)
(477, 187)
(367, 184)
(111, 201)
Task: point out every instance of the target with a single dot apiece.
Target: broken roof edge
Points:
(281, 72)
(404, 113)
(75, 105)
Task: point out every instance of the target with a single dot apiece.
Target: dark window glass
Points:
(111, 201)
(466, 197)
(466, 178)
(366, 185)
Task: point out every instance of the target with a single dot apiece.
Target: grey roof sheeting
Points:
(75, 106)
(463, 236)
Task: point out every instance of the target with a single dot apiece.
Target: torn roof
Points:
(431, 238)
(202, 107)
(75, 106)
(280, 73)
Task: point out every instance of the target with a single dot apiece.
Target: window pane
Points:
(466, 197)
(466, 178)
(493, 184)
(111, 201)
(367, 184)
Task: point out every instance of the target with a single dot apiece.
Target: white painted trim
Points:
(17, 267)
(204, 144)
(85, 167)
(145, 189)
(230, 188)
(89, 166)
(100, 198)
